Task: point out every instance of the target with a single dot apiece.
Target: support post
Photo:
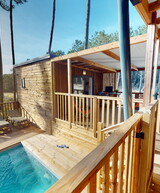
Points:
(149, 62)
(156, 53)
(124, 39)
(69, 90)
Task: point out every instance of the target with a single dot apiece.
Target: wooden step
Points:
(75, 136)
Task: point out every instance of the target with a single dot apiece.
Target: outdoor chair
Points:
(4, 126)
(16, 119)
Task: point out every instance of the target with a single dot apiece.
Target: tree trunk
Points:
(52, 27)
(87, 25)
(11, 28)
(1, 76)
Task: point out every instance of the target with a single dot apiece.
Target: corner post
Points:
(69, 90)
(149, 61)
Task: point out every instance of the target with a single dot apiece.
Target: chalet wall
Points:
(109, 79)
(36, 98)
(61, 78)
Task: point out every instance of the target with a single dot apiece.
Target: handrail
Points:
(84, 173)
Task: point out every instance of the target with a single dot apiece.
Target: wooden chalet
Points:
(62, 94)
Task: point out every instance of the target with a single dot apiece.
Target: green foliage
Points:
(6, 5)
(58, 53)
(101, 38)
(77, 46)
(8, 82)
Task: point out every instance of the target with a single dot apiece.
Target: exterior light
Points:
(84, 72)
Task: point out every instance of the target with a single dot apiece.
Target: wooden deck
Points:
(59, 160)
(44, 146)
(17, 136)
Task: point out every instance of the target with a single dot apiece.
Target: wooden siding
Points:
(36, 98)
(61, 78)
(109, 79)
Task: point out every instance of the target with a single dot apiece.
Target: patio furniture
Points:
(4, 126)
(16, 119)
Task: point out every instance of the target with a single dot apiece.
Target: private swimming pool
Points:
(21, 172)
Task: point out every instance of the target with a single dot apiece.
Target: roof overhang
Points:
(106, 58)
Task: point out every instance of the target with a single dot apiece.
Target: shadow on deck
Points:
(16, 136)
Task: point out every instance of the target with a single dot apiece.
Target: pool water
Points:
(20, 172)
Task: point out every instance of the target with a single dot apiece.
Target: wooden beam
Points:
(94, 64)
(142, 9)
(116, 57)
(111, 54)
(154, 6)
(149, 64)
(110, 46)
(85, 68)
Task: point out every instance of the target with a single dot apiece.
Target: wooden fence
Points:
(4, 107)
(121, 163)
(87, 110)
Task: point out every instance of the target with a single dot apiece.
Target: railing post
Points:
(147, 149)
(95, 115)
(99, 133)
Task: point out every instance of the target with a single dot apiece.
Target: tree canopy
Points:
(101, 37)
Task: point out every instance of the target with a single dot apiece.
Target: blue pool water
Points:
(20, 172)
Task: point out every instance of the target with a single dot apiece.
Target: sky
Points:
(32, 24)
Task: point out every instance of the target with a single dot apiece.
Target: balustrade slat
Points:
(83, 109)
(92, 185)
(107, 114)
(119, 111)
(121, 169)
(113, 112)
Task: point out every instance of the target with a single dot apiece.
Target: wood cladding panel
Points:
(61, 78)
(36, 98)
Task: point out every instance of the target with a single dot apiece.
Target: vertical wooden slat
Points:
(136, 159)
(114, 184)
(102, 113)
(121, 168)
(91, 113)
(92, 185)
(83, 109)
(80, 111)
(95, 119)
(106, 178)
(76, 110)
(130, 162)
(87, 111)
(108, 114)
(119, 111)
(73, 109)
(127, 160)
(113, 112)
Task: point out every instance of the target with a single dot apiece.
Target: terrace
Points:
(123, 160)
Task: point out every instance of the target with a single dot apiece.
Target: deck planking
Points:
(16, 136)
(58, 160)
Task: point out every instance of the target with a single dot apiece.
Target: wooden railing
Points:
(83, 110)
(124, 161)
(61, 109)
(87, 110)
(4, 107)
